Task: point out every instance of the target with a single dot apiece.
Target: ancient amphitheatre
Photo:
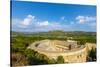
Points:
(69, 49)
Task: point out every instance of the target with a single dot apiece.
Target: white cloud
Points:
(85, 19)
(30, 23)
(47, 26)
(27, 20)
(44, 23)
(89, 21)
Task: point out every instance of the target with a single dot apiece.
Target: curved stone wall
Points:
(69, 57)
(72, 56)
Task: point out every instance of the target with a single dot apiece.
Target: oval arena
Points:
(70, 50)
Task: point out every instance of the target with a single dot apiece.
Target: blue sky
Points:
(41, 17)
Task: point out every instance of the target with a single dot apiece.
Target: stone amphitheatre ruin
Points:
(70, 50)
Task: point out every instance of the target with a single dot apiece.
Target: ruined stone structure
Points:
(70, 50)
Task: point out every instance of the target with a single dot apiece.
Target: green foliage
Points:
(52, 61)
(18, 47)
(92, 54)
(35, 58)
(81, 42)
(29, 53)
(60, 59)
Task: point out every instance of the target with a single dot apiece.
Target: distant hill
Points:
(59, 34)
(56, 33)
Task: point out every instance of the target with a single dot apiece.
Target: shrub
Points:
(60, 59)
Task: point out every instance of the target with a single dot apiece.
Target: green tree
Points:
(60, 59)
(92, 54)
(52, 61)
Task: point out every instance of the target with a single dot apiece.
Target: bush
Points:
(92, 54)
(52, 61)
(60, 59)
(35, 58)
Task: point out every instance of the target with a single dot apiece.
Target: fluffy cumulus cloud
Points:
(30, 23)
(28, 20)
(85, 19)
(23, 23)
